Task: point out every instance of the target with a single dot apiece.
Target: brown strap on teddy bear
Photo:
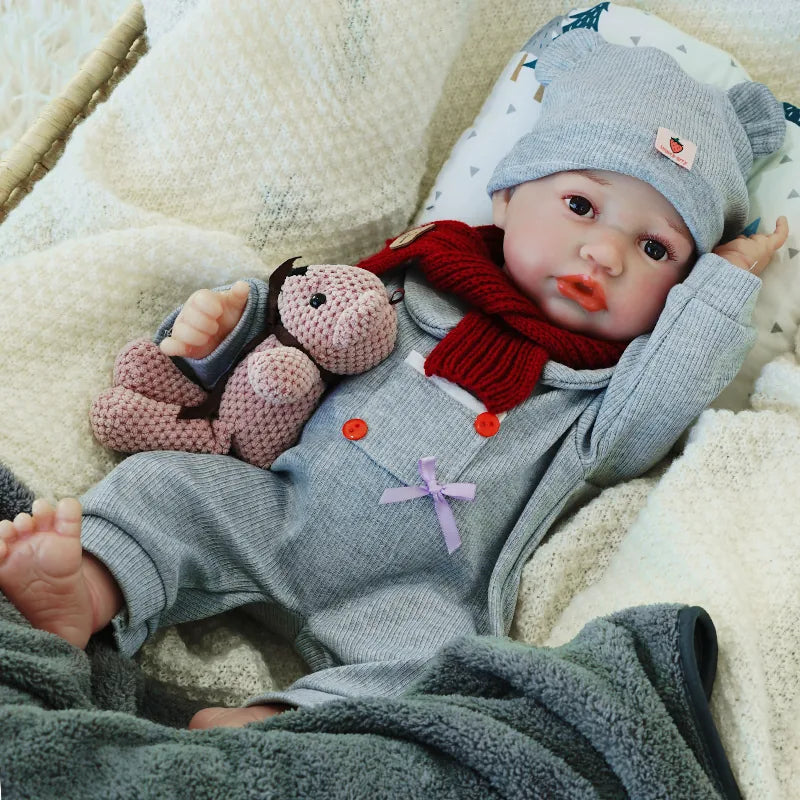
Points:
(209, 408)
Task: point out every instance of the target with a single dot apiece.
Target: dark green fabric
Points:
(608, 715)
(15, 497)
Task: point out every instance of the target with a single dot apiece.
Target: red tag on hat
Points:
(676, 148)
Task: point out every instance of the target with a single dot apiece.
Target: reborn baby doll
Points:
(537, 361)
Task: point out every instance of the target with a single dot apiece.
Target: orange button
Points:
(487, 424)
(355, 428)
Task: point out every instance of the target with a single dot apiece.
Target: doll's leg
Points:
(388, 645)
(186, 536)
(179, 536)
(375, 645)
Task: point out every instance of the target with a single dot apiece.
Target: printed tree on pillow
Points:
(583, 19)
(587, 19)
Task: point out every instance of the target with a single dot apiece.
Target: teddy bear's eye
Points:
(317, 300)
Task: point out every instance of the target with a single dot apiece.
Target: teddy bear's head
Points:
(341, 314)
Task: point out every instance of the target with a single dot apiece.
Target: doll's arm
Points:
(665, 379)
(209, 369)
(205, 320)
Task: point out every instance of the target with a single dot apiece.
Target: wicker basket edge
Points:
(41, 145)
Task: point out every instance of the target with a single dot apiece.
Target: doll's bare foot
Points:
(217, 717)
(45, 574)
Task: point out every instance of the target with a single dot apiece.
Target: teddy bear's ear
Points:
(543, 38)
(761, 116)
(566, 52)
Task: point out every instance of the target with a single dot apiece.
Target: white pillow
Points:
(774, 185)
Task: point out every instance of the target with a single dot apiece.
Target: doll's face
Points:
(596, 250)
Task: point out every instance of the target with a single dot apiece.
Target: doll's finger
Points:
(193, 351)
(175, 348)
(235, 299)
(207, 301)
(240, 289)
(171, 347)
(187, 334)
(199, 320)
(781, 233)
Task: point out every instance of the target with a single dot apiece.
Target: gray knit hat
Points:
(604, 107)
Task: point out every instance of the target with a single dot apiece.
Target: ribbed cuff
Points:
(730, 290)
(300, 698)
(137, 577)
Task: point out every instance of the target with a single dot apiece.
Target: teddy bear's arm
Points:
(282, 375)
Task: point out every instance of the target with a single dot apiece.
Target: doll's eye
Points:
(317, 300)
(656, 250)
(580, 206)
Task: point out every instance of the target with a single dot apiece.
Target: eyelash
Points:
(655, 237)
(664, 243)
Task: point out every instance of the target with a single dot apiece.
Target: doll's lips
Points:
(584, 290)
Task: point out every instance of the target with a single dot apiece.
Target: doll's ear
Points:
(500, 200)
(761, 116)
(566, 52)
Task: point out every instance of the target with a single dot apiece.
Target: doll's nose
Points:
(606, 250)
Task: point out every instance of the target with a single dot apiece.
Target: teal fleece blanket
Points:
(620, 711)
(15, 497)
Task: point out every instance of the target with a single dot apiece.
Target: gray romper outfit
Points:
(369, 592)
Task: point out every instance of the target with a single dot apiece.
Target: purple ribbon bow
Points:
(447, 522)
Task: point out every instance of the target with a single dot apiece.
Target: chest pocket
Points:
(413, 417)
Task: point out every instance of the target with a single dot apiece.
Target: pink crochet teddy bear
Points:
(323, 321)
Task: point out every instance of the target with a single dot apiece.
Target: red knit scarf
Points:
(499, 348)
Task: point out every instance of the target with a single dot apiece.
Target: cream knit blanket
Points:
(255, 131)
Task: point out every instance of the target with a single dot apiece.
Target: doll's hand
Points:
(754, 253)
(205, 320)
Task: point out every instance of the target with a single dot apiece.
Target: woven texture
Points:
(38, 150)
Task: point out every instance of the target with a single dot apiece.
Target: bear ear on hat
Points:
(566, 52)
(761, 116)
(543, 38)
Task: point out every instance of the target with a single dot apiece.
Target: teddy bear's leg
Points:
(125, 420)
(142, 367)
(267, 400)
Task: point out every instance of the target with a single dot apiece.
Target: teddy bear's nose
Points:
(317, 300)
